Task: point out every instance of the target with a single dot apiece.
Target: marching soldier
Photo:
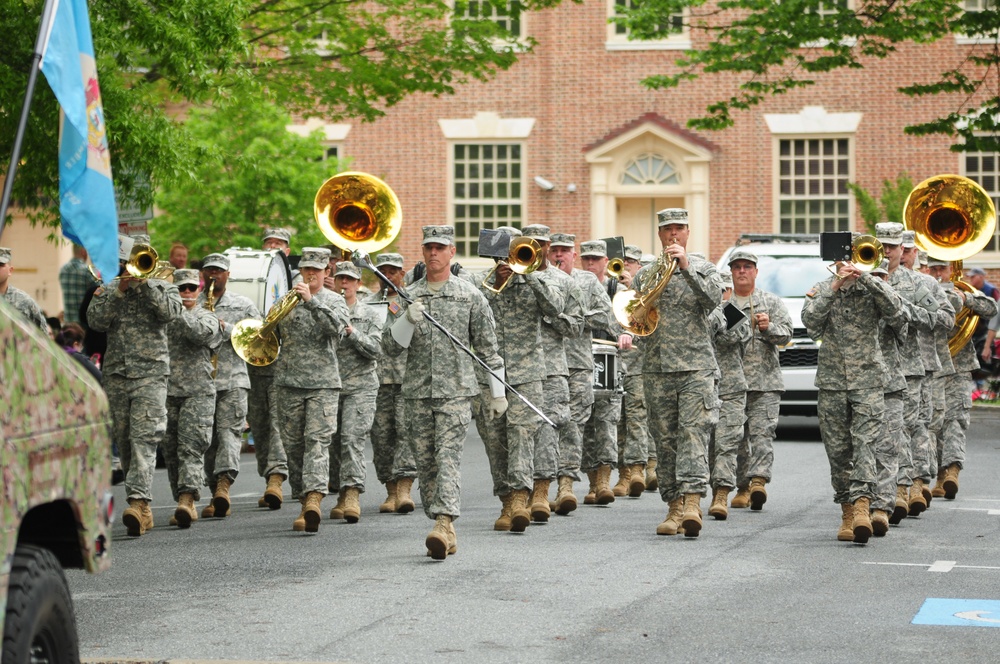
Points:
(771, 328)
(222, 460)
(191, 339)
(680, 367)
(394, 462)
(845, 311)
(307, 383)
(633, 432)
(357, 351)
(135, 314)
(440, 379)
(16, 297)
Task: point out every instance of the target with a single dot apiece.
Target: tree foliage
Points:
(330, 58)
(888, 206)
(250, 174)
(762, 43)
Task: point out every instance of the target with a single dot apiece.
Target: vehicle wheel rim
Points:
(43, 649)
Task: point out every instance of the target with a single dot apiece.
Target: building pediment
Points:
(647, 132)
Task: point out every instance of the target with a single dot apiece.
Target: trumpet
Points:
(636, 310)
(867, 253)
(615, 268)
(143, 263)
(524, 257)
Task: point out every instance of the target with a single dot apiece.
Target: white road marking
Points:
(990, 512)
(976, 615)
(936, 566)
(942, 566)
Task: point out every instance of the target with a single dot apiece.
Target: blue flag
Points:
(86, 191)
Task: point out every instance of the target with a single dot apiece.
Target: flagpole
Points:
(22, 125)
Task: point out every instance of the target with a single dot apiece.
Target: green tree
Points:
(341, 59)
(249, 174)
(760, 42)
(888, 206)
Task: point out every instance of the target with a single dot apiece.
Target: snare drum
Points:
(262, 276)
(607, 378)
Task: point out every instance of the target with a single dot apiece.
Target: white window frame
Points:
(620, 42)
(522, 200)
(334, 135)
(969, 40)
(522, 35)
(988, 257)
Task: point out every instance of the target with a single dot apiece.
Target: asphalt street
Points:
(598, 585)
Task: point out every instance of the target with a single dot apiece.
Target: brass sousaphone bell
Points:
(355, 211)
(952, 218)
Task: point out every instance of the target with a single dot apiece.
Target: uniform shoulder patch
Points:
(394, 308)
(811, 292)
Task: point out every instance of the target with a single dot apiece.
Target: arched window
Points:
(650, 169)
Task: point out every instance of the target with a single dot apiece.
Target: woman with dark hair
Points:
(71, 339)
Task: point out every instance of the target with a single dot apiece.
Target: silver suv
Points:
(788, 266)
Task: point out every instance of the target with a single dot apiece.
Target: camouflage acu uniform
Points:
(393, 455)
(764, 386)
(959, 385)
(679, 371)
(600, 434)
(633, 430)
(890, 443)
(135, 369)
(307, 381)
(555, 331)
(190, 398)
(517, 312)
(26, 306)
(232, 383)
(356, 355)
(439, 384)
(850, 377)
(923, 444)
(729, 344)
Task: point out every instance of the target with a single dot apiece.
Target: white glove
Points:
(415, 312)
(497, 388)
(497, 407)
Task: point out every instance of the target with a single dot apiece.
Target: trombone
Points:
(524, 257)
(953, 218)
(615, 268)
(867, 253)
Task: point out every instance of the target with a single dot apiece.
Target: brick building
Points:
(568, 137)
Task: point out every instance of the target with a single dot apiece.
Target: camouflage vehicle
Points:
(55, 449)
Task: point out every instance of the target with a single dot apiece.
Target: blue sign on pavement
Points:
(962, 612)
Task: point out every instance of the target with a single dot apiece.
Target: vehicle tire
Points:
(40, 625)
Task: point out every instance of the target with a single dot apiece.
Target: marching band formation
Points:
(663, 368)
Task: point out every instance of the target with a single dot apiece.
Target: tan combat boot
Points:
(404, 504)
(520, 516)
(352, 504)
(862, 520)
(311, 512)
(437, 542)
(147, 516)
(637, 481)
(691, 518)
(262, 501)
(917, 503)
(880, 523)
(565, 498)
(389, 504)
(624, 479)
(758, 493)
(452, 539)
(299, 525)
(503, 523)
(950, 484)
(540, 501)
(720, 498)
(220, 499)
(208, 511)
(337, 511)
(938, 490)
(591, 497)
(846, 532)
(273, 494)
(603, 495)
(651, 482)
(133, 519)
(185, 512)
(742, 499)
(902, 506)
(672, 523)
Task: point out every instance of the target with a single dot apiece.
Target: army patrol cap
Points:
(672, 216)
(186, 277)
(220, 261)
(315, 257)
(909, 239)
(537, 231)
(742, 255)
(142, 238)
(563, 240)
(727, 278)
(921, 257)
(395, 260)
(889, 232)
(347, 269)
(598, 248)
(4, 255)
(509, 230)
(633, 251)
(278, 234)
(438, 235)
(883, 267)
(932, 262)
(647, 259)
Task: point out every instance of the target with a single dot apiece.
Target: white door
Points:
(636, 220)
